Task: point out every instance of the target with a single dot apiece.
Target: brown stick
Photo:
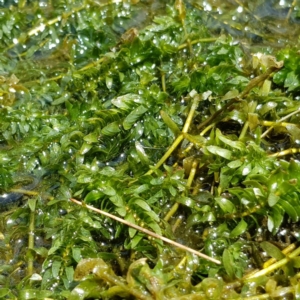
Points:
(146, 231)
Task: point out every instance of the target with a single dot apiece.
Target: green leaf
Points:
(86, 147)
(126, 101)
(62, 99)
(253, 121)
(130, 218)
(289, 209)
(198, 140)
(142, 188)
(297, 291)
(56, 268)
(32, 204)
(202, 217)
(295, 262)
(230, 95)
(56, 245)
(155, 227)
(111, 129)
(228, 263)
(134, 116)
(142, 204)
(69, 273)
(291, 81)
(272, 250)
(86, 289)
(187, 201)
(246, 169)
(136, 239)
(92, 196)
(273, 199)
(172, 191)
(108, 171)
(234, 144)
(235, 164)
(92, 223)
(76, 254)
(4, 292)
(109, 82)
(170, 123)
(275, 219)
(294, 169)
(107, 190)
(219, 151)
(239, 229)
(141, 153)
(85, 178)
(91, 138)
(226, 205)
(117, 200)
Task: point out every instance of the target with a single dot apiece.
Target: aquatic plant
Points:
(157, 124)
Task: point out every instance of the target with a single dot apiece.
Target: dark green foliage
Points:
(90, 106)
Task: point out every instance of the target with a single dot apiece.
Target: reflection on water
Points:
(262, 22)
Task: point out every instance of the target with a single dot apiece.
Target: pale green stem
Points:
(207, 128)
(276, 265)
(167, 154)
(163, 82)
(252, 108)
(171, 212)
(279, 121)
(181, 136)
(285, 152)
(191, 114)
(31, 230)
(174, 208)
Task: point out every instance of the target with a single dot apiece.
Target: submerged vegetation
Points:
(145, 111)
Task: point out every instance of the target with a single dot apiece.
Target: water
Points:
(257, 23)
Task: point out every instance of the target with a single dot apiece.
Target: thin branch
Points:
(146, 231)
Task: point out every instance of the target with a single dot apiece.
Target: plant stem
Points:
(31, 229)
(167, 154)
(192, 174)
(171, 212)
(278, 123)
(181, 136)
(285, 251)
(163, 81)
(252, 107)
(277, 265)
(285, 152)
(190, 116)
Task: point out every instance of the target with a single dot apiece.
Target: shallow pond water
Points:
(92, 99)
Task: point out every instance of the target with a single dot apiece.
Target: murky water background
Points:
(271, 23)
